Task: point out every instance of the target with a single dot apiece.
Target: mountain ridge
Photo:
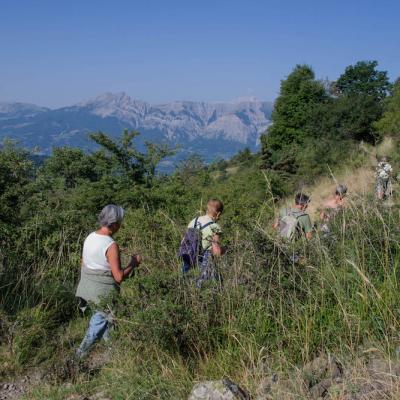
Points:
(212, 129)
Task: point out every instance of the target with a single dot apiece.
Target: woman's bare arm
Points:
(113, 258)
(216, 248)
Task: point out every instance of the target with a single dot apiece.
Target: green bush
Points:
(32, 336)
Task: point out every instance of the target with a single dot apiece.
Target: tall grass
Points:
(269, 314)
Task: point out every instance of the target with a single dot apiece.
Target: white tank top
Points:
(94, 251)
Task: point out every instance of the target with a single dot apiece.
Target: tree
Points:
(345, 118)
(72, 165)
(389, 124)
(299, 95)
(137, 166)
(244, 156)
(16, 171)
(360, 92)
(192, 171)
(363, 79)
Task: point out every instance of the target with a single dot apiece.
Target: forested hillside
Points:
(270, 316)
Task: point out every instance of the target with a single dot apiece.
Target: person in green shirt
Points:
(210, 247)
(293, 222)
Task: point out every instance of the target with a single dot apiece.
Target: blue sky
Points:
(56, 53)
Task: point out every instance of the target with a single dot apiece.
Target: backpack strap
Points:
(295, 214)
(197, 224)
(207, 224)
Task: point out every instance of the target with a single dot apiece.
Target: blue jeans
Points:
(99, 327)
(186, 264)
(207, 269)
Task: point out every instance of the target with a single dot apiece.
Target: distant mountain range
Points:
(213, 130)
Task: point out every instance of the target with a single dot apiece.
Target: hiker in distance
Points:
(201, 243)
(332, 207)
(294, 222)
(101, 274)
(383, 179)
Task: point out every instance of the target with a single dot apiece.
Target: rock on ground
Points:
(211, 390)
(325, 377)
(18, 387)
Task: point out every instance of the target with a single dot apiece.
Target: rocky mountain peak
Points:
(119, 105)
(209, 128)
(12, 107)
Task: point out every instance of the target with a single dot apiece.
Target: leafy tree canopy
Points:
(363, 79)
(299, 96)
(139, 167)
(73, 165)
(16, 171)
(389, 124)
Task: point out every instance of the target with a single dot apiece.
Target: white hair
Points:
(111, 214)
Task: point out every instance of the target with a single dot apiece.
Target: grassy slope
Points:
(360, 180)
(270, 315)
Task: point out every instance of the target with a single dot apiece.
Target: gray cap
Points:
(111, 214)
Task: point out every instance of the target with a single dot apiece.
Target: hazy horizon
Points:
(59, 54)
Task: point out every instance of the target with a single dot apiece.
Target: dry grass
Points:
(360, 181)
(232, 170)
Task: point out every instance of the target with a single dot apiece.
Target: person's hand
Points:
(136, 259)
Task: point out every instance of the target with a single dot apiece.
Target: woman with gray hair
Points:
(101, 273)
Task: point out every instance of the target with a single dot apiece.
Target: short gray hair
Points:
(341, 190)
(111, 214)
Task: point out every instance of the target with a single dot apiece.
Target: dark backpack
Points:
(191, 245)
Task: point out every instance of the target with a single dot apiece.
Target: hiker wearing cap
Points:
(383, 182)
(332, 207)
(201, 243)
(101, 274)
(294, 222)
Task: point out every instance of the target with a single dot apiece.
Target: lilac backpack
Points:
(191, 246)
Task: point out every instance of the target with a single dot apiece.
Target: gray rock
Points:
(320, 389)
(77, 397)
(320, 374)
(211, 390)
(321, 368)
(100, 396)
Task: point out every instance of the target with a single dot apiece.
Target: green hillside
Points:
(270, 316)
